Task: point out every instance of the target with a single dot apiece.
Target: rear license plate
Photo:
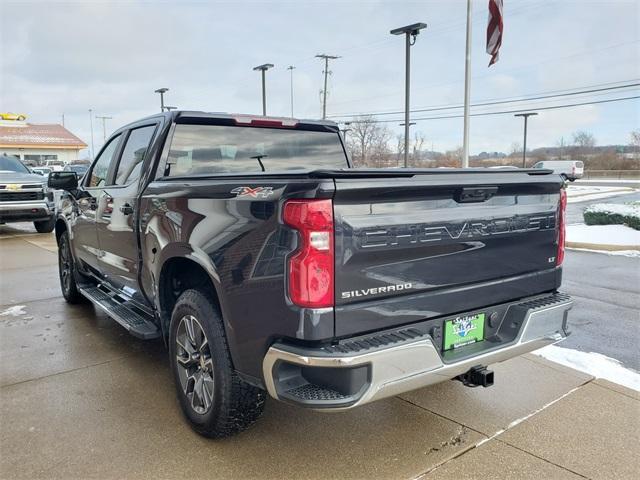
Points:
(463, 330)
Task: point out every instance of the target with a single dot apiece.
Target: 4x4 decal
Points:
(257, 192)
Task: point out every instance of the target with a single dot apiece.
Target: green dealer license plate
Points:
(463, 331)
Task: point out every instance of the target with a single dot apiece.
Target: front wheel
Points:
(215, 400)
(45, 226)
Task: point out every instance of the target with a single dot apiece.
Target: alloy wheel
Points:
(195, 366)
(65, 266)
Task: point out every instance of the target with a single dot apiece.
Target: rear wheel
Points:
(215, 400)
(45, 226)
(67, 271)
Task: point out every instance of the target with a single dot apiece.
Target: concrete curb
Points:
(601, 246)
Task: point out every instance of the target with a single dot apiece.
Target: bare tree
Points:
(415, 148)
(635, 142)
(418, 142)
(516, 149)
(369, 142)
(451, 158)
(584, 139)
(399, 148)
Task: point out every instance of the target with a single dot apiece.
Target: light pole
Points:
(263, 69)
(162, 91)
(104, 126)
(410, 32)
(467, 91)
(524, 147)
(93, 150)
(291, 68)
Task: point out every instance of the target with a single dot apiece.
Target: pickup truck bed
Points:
(326, 286)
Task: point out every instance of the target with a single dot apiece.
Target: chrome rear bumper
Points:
(412, 363)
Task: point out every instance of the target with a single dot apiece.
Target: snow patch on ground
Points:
(596, 364)
(576, 193)
(603, 234)
(621, 253)
(15, 311)
(629, 209)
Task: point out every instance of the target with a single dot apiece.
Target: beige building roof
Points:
(26, 135)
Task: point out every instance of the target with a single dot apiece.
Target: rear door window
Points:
(215, 149)
(133, 154)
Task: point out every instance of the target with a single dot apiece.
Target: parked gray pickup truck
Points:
(267, 264)
(24, 196)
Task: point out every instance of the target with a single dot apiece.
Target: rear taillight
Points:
(562, 226)
(311, 266)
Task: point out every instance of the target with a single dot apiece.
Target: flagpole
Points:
(467, 91)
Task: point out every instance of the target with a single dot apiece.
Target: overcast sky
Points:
(67, 57)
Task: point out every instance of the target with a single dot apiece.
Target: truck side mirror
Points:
(63, 181)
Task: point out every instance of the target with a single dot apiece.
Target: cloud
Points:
(67, 57)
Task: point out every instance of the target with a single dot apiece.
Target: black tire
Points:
(45, 226)
(67, 271)
(234, 404)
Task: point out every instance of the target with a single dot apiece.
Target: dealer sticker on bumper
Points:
(463, 331)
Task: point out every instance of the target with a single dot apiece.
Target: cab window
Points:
(133, 154)
(100, 168)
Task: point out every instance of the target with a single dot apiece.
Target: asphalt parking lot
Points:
(80, 398)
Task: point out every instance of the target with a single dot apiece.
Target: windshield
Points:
(213, 149)
(76, 168)
(12, 164)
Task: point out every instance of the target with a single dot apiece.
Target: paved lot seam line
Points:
(541, 458)
(67, 371)
(499, 432)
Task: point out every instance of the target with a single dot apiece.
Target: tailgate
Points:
(413, 248)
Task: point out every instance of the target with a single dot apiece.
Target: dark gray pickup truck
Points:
(268, 265)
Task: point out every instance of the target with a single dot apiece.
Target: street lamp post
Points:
(524, 147)
(263, 69)
(162, 91)
(291, 68)
(410, 32)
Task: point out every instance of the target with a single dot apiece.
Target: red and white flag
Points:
(494, 30)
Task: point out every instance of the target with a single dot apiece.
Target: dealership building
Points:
(37, 143)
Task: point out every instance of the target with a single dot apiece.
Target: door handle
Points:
(126, 209)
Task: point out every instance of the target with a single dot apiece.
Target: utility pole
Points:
(104, 126)
(524, 147)
(291, 68)
(263, 69)
(162, 91)
(410, 32)
(405, 143)
(467, 91)
(326, 73)
(63, 119)
(93, 150)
